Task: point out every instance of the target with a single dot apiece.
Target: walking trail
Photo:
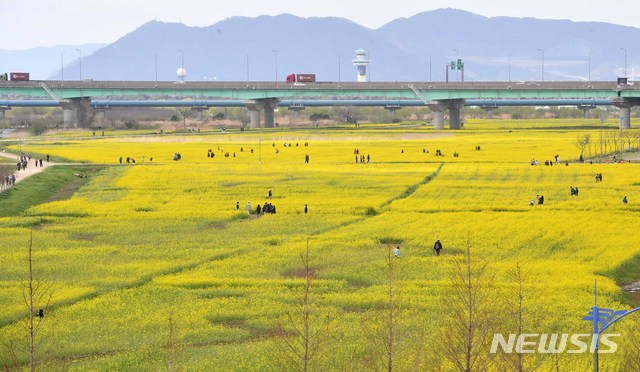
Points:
(31, 168)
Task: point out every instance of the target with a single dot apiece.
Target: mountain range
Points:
(407, 49)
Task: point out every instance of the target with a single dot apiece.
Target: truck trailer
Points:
(19, 76)
(301, 78)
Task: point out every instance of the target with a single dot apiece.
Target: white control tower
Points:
(362, 62)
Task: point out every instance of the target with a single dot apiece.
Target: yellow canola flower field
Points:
(151, 263)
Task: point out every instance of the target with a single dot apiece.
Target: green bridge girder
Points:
(325, 90)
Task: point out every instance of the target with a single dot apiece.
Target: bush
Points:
(38, 127)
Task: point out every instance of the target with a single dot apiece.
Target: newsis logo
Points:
(545, 343)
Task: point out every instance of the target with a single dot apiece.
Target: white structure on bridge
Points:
(362, 62)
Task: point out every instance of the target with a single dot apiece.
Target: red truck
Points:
(301, 78)
(19, 76)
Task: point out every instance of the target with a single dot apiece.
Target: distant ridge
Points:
(406, 49)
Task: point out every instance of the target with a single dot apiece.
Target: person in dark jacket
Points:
(437, 247)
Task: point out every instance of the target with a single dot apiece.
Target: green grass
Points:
(55, 183)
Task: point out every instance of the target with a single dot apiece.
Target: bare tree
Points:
(517, 317)
(185, 112)
(37, 296)
(310, 329)
(582, 142)
(469, 319)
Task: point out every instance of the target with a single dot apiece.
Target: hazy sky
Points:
(31, 23)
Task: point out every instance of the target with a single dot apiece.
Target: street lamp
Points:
(182, 71)
(80, 53)
(509, 67)
(155, 60)
(457, 57)
(62, 67)
(276, 54)
(541, 50)
(625, 61)
(590, 67)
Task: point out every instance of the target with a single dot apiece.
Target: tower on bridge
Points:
(361, 62)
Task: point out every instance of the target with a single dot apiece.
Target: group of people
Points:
(539, 198)
(574, 191)
(360, 158)
(7, 181)
(598, 177)
(437, 247)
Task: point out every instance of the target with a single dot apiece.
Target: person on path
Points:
(437, 247)
(249, 208)
(396, 252)
(237, 206)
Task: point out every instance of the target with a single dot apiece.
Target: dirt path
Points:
(31, 168)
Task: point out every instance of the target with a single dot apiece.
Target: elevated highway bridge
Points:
(77, 97)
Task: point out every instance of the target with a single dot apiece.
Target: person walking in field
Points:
(249, 208)
(237, 206)
(437, 247)
(396, 252)
(624, 200)
(306, 209)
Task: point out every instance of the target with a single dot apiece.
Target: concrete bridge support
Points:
(2, 110)
(267, 105)
(455, 109)
(76, 112)
(254, 119)
(454, 106)
(625, 116)
(200, 112)
(489, 111)
(437, 112)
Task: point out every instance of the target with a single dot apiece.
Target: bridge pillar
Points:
(625, 116)
(254, 106)
(76, 111)
(489, 111)
(254, 119)
(455, 108)
(586, 109)
(437, 112)
(200, 112)
(2, 110)
(269, 112)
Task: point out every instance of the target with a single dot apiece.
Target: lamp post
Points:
(155, 61)
(625, 61)
(339, 68)
(62, 67)
(590, 67)
(602, 318)
(509, 67)
(182, 65)
(457, 57)
(275, 52)
(80, 62)
(542, 50)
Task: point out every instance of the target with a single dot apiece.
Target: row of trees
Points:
(608, 142)
(459, 336)
(39, 119)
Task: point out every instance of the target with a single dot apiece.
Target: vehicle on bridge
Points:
(301, 78)
(15, 76)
